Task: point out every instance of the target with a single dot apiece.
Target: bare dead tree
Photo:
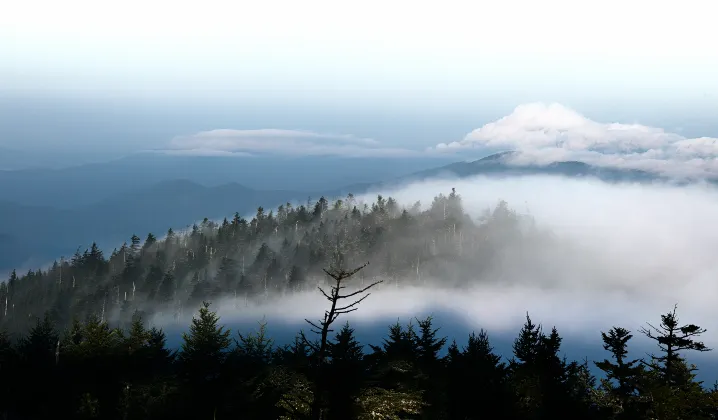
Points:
(323, 327)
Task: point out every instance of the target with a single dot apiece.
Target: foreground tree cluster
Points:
(93, 371)
(272, 254)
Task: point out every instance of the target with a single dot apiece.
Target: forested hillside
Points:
(76, 345)
(275, 252)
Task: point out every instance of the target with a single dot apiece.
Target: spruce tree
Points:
(627, 374)
(477, 378)
(166, 291)
(673, 339)
(345, 374)
(8, 370)
(204, 348)
(201, 358)
(430, 367)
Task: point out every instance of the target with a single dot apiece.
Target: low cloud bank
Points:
(548, 133)
(619, 255)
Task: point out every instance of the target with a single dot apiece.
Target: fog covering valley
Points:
(582, 255)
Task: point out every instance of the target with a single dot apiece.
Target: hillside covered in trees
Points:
(274, 253)
(75, 344)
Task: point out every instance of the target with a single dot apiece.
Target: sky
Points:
(629, 83)
(86, 75)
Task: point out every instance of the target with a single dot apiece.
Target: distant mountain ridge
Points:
(33, 235)
(497, 166)
(87, 184)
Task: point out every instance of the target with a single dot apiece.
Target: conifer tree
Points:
(166, 290)
(296, 278)
(672, 339)
(38, 364)
(431, 367)
(626, 373)
(203, 353)
(477, 378)
(204, 348)
(8, 367)
(345, 374)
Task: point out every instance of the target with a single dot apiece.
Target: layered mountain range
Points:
(51, 226)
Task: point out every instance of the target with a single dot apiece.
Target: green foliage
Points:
(91, 355)
(271, 254)
(205, 346)
(100, 372)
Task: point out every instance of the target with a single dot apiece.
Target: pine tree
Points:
(431, 367)
(204, 348)
(296, 278)
(228, 274)
(626, 373)
(345, 374)
(203, 353)
(477, 378)
(151, 240)
(8, 370)
(166, 290)
(38, 364)
(672, 339)
(152, 281)
(428, 344)
(256, 347)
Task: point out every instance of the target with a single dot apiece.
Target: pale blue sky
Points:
(81, 73)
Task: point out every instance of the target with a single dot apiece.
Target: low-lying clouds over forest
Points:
(589, 256)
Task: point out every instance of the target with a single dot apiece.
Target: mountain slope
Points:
(273, 252)
(80, 186)
(38, 234)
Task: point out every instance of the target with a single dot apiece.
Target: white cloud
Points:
(286, 142)
(204, 152)
(624, 254)
(547, 133)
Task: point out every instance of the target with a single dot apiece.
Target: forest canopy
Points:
(75, 336)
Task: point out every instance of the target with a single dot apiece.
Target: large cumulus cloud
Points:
(546, 133)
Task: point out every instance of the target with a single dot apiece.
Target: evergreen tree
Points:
(167, 288)
(477, 378)
(672, 339)
(626, 373)
(431, 367)
(38, 368)
(152, 281)
(202, 355)
(296, 278)
(8, 369)
(345, 374)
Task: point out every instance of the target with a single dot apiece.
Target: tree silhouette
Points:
(323, 327)
(672, 338)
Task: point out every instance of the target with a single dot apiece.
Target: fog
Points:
(620, 255)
